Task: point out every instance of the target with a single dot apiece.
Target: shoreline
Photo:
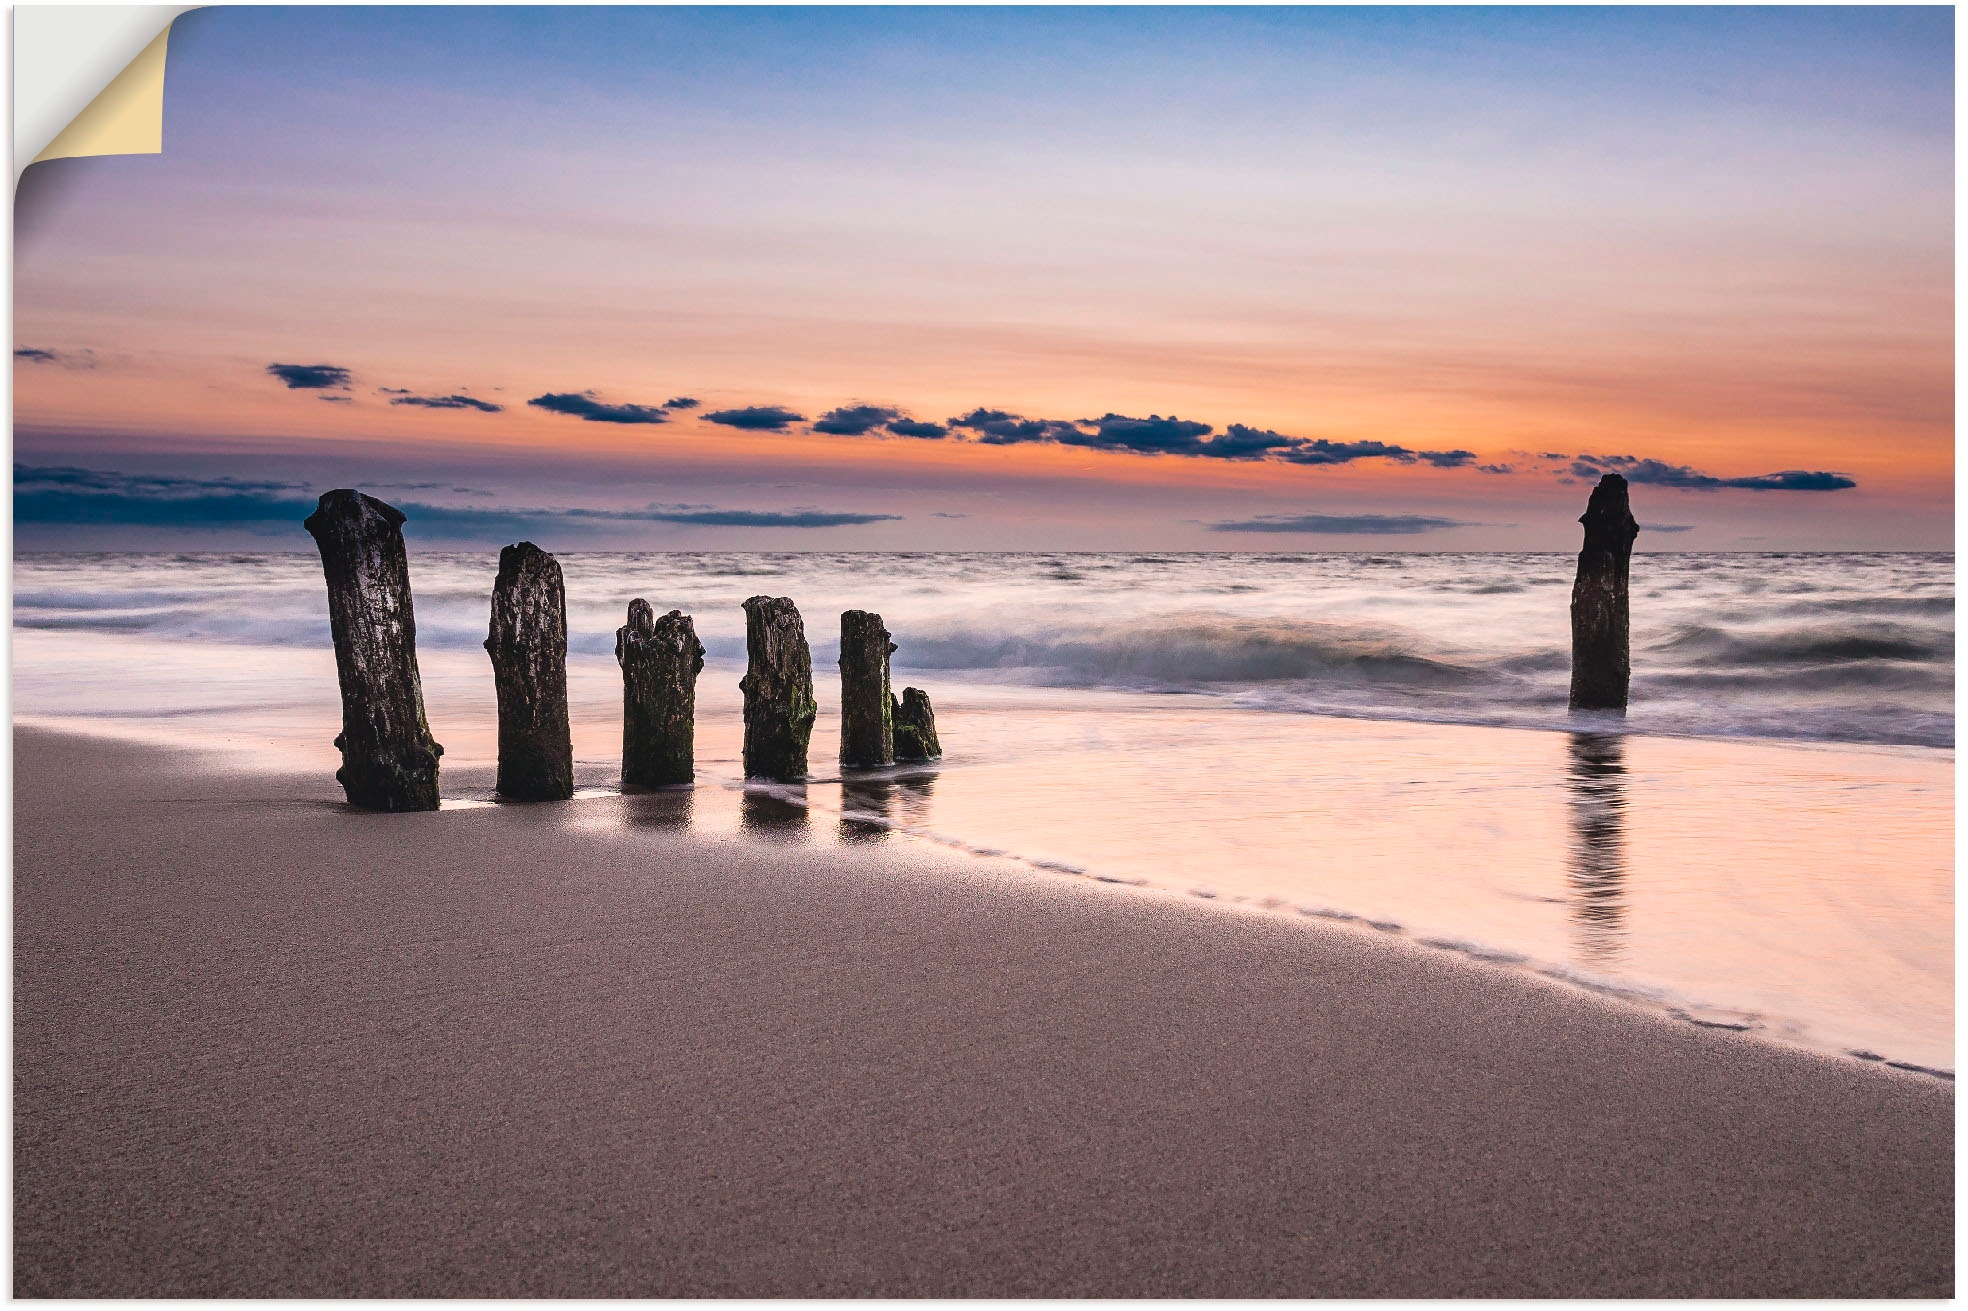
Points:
(468, 779)
(264, 1044)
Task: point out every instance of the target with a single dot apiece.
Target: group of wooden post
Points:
(389, 758)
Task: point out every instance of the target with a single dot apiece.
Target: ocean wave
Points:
(1843, 648)
(1187, 650)
(1814, 644)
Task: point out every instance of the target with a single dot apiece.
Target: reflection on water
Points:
(660, 808)
(1596, 782)
(866, 809)
(874, 807)
(1809, 886)
(776, 810)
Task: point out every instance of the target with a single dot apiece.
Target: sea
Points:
(1763, 843)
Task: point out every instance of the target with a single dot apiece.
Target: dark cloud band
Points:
(1349, 525)
(1659, 473)
(453, 402)
(311, 377)
(583, 405)
(756, 418)
(62, 494)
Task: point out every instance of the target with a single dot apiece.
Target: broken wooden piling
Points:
(915, 727)
(1600, 660)
(660, 661)
(778, 688)
(867, 709)
(528, 646)
(389, 759)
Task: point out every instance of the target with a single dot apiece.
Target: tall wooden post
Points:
(1600, 661)
(867, 714)
(389, 759)
(778, 688)
(660, 661)
(528, 646)
(915, 727)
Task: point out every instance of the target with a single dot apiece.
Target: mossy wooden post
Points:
(1600, 661)
(915, 727)
(660, 661)
(389, 760)
(867, 711)
(778, 688)
(528, 646)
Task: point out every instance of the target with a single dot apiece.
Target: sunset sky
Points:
(1006, 279)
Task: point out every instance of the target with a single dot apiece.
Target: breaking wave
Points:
(1841, 648)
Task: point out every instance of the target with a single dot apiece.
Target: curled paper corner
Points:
(127, 118)
(74, 51)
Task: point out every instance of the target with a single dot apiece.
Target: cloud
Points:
(310, 377)
(1238, 442)
(1794, 480)
(1320, 451)
(1153, 435)
(71, 477)
(682, 403)
(947, 514)
(1156, 435)
(85, 359)
(64, 494)
(453, 402)
(1667, 527)
(337, 400)
(583, 405)
(917, 428)
(61, 494)
(999, 428)
(854, 420)
(393, 391)
(1365, 525)
(1658, 473)
(756, 418)
(1496, 468)
(759, 518)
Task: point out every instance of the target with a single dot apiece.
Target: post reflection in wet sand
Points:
(659, 808)
(777, 811)
(1596, 780)
(873, 808)
(866, 809)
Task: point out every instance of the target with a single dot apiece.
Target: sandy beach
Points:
(265, 1045)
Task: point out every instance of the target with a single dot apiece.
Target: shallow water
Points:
(1763, 874)
(1848, 648)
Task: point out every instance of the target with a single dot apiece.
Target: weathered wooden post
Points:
(867, 706)
(660, 661)
(915, 727)
(528, 646)
(778, 688)
(1600, 666)
(389, 760)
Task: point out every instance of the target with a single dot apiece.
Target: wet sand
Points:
(265, 1046)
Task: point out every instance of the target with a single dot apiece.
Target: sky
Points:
(980, 278)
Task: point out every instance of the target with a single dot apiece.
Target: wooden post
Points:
(528, 646)
(660, 661)
(778, 688)
(389, 760)
(867, 711)
(915, 727)
(1600, 663)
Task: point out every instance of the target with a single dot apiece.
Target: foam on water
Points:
(1847, 648)
(1765, 842)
